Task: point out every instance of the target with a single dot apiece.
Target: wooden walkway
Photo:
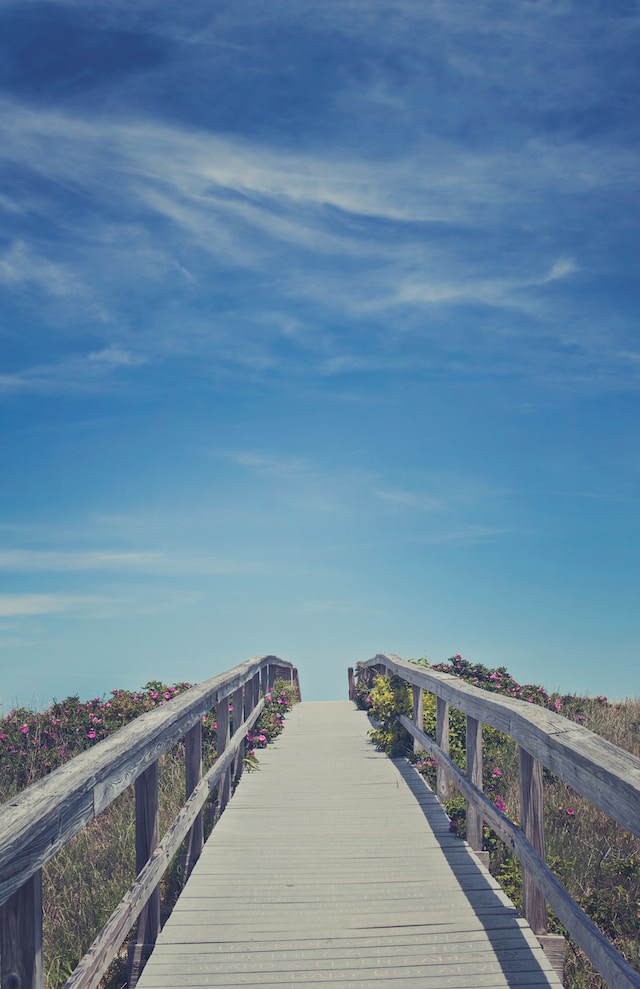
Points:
(334, 864)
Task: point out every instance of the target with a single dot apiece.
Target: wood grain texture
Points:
(21, 937)
(334, 864)
(40, 820)
(614, 969)
(603, 773)
(532, 824)
(474, 772)
(89, 972)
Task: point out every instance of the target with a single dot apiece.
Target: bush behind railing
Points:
(595, 859)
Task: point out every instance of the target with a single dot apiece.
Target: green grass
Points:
(85, 880)
(596, 860)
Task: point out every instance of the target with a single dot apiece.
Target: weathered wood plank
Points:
(40, 820)
(88, 973)
(606, 775)
(21, 937)
(362, 883)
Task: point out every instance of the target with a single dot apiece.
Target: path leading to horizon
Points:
(334, 864)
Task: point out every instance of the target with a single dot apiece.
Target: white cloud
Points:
(13, 605)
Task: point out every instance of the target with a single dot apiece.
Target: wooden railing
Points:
(606, 775)
(41, 819)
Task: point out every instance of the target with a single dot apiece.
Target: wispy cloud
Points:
(20, 605)
(80, 373)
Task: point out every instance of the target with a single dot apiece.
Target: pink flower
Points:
(167, 695)
(24, 729)
(570, 811)
(500, 804)
(91, 734)
(497, 772)
(557, 704)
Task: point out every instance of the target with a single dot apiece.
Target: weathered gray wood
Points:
(603, 773)
(418, 713)
(89, 972)
(474, 772)
(40, 820)
(193, 775)
(295, 679)
(362, 884)
(237, 703)
(532, 824)
(21, 937)
(146, 793)
(614, 969)
(444, 786)
(351, 683)
(222, 743)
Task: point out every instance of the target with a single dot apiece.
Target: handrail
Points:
(42, 818)
(606, 775)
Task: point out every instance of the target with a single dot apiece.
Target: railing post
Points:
(237, 702)
(352, 685)
(264, 679)
(532, 823)
(193, 775)
(418, 713)
(255, 690)
(474, 772)
(21, 937)
(222, 741)
(295, 679)
(443, 783)
(146, 789)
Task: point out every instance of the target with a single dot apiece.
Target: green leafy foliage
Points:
(86, 879)
(596, 860)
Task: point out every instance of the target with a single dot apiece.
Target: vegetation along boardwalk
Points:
(334, 864)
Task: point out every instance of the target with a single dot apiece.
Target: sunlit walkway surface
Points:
(334, 864)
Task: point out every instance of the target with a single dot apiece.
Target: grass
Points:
(86, 879)
(595, 859)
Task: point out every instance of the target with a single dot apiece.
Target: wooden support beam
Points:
(532, 823)
(21, 937)
(474, 773)
(444, 785)
(193, 775)
(418, 714)
(146, 791)
(352, 685)
(222, 737)
(238, 716)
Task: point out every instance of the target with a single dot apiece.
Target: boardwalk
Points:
(334, 864)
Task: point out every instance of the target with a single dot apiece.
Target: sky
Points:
(319, 338)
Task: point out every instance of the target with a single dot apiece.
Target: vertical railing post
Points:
(264, 679)
(443, 782)
(295, 679)
(146, 790)
(255, 690)
(532, 823)
(474, 773)
(222, 740)
(352, 684)
(418, 714)
(193, 775)
(237, 702)
(21, 937)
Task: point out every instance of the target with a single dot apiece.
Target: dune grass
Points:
(86, 879)
(596, 860)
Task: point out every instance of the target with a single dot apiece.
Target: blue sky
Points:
(318, 336)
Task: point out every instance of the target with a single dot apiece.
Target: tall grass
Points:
(596, 860)
(87, 878)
